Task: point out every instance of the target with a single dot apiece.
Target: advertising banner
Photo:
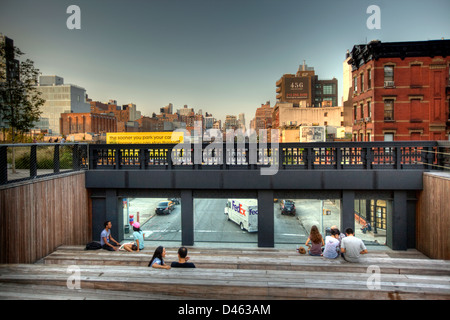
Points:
(144, 137)
(297, 88)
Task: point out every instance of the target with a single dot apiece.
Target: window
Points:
(369, 78)
(388, 73)
(389, 76)
(328, 89)
(389, 136)
(354, 113)
(369, 109)
(416, 113)
(389, 109)
(362, 110)
(362, 82)
(416, 75)
(355, 84)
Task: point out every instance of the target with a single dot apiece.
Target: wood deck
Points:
(227, 274)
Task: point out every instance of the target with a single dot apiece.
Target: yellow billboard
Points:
(144, 137)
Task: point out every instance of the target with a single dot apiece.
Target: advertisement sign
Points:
(312, 134)
(297, 88)
(144, 137)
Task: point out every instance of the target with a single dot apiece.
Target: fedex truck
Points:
(243, 212)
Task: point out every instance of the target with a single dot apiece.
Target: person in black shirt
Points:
(182, 259)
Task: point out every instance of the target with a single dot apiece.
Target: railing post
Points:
(309, 157)
(56, 164)
(33, 162)
(117, 158)
(398, 157)
(338, 158)
(3, 165)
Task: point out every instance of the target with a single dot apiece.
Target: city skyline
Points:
(223, 57)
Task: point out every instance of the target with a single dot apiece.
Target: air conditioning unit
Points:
(388, 84)
(367, 119)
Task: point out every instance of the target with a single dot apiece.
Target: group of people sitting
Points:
(157, 261)
(337, 243)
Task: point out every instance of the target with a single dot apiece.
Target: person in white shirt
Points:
(352, 247)
(332, 245)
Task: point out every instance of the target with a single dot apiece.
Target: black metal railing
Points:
(418, 155)
(21, 162)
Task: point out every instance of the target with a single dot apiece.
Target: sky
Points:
(221, 56)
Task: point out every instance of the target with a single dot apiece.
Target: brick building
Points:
(71, 123)
(400, 90)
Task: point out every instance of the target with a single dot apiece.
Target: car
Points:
(288, 207)
(164, 207)
(175, 200)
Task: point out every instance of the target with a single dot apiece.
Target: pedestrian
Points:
(341, 236)
(182, 259)
(106, 239)
(316, 239)
(157, 260)
(138, 237)
(332, 245)
(352, 247)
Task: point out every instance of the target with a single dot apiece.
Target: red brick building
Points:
(401, 90)
(71, 123)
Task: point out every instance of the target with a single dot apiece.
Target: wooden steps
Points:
(232, 284)
(258, 259)
(235, 274)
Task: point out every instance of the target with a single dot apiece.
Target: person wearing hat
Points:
(138, 237)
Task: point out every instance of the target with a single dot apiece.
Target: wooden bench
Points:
(265, 259)
(234, 284)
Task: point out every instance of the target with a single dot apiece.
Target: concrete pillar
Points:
(187, 218)
(397, 222)
(265, 219)
(347, 210)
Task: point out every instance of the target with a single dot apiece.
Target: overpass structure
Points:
(347, 171)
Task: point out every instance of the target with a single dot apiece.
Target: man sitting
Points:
(352, 247)
(182, 260)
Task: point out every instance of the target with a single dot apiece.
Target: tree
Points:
(20, 101)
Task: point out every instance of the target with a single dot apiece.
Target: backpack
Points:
(93, 246)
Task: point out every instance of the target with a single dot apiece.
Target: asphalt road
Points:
(211, 224)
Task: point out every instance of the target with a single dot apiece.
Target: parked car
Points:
(175, 201)
(164, 207)
(288, 207)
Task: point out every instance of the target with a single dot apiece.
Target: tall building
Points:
(400, 90)
(304, 89)
(9, 68)
(59, 98)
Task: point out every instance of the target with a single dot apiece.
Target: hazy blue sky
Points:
(221, 56)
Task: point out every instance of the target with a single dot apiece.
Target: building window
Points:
(388, 76)
(355, 84)
(362, 82)
(369, 78)
(416, 75)
(389, 136)
(369, 109)
(354, 113)
(362, 110)
(329, 89)
(389, 109)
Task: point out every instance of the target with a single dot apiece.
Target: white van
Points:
(243, 212)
